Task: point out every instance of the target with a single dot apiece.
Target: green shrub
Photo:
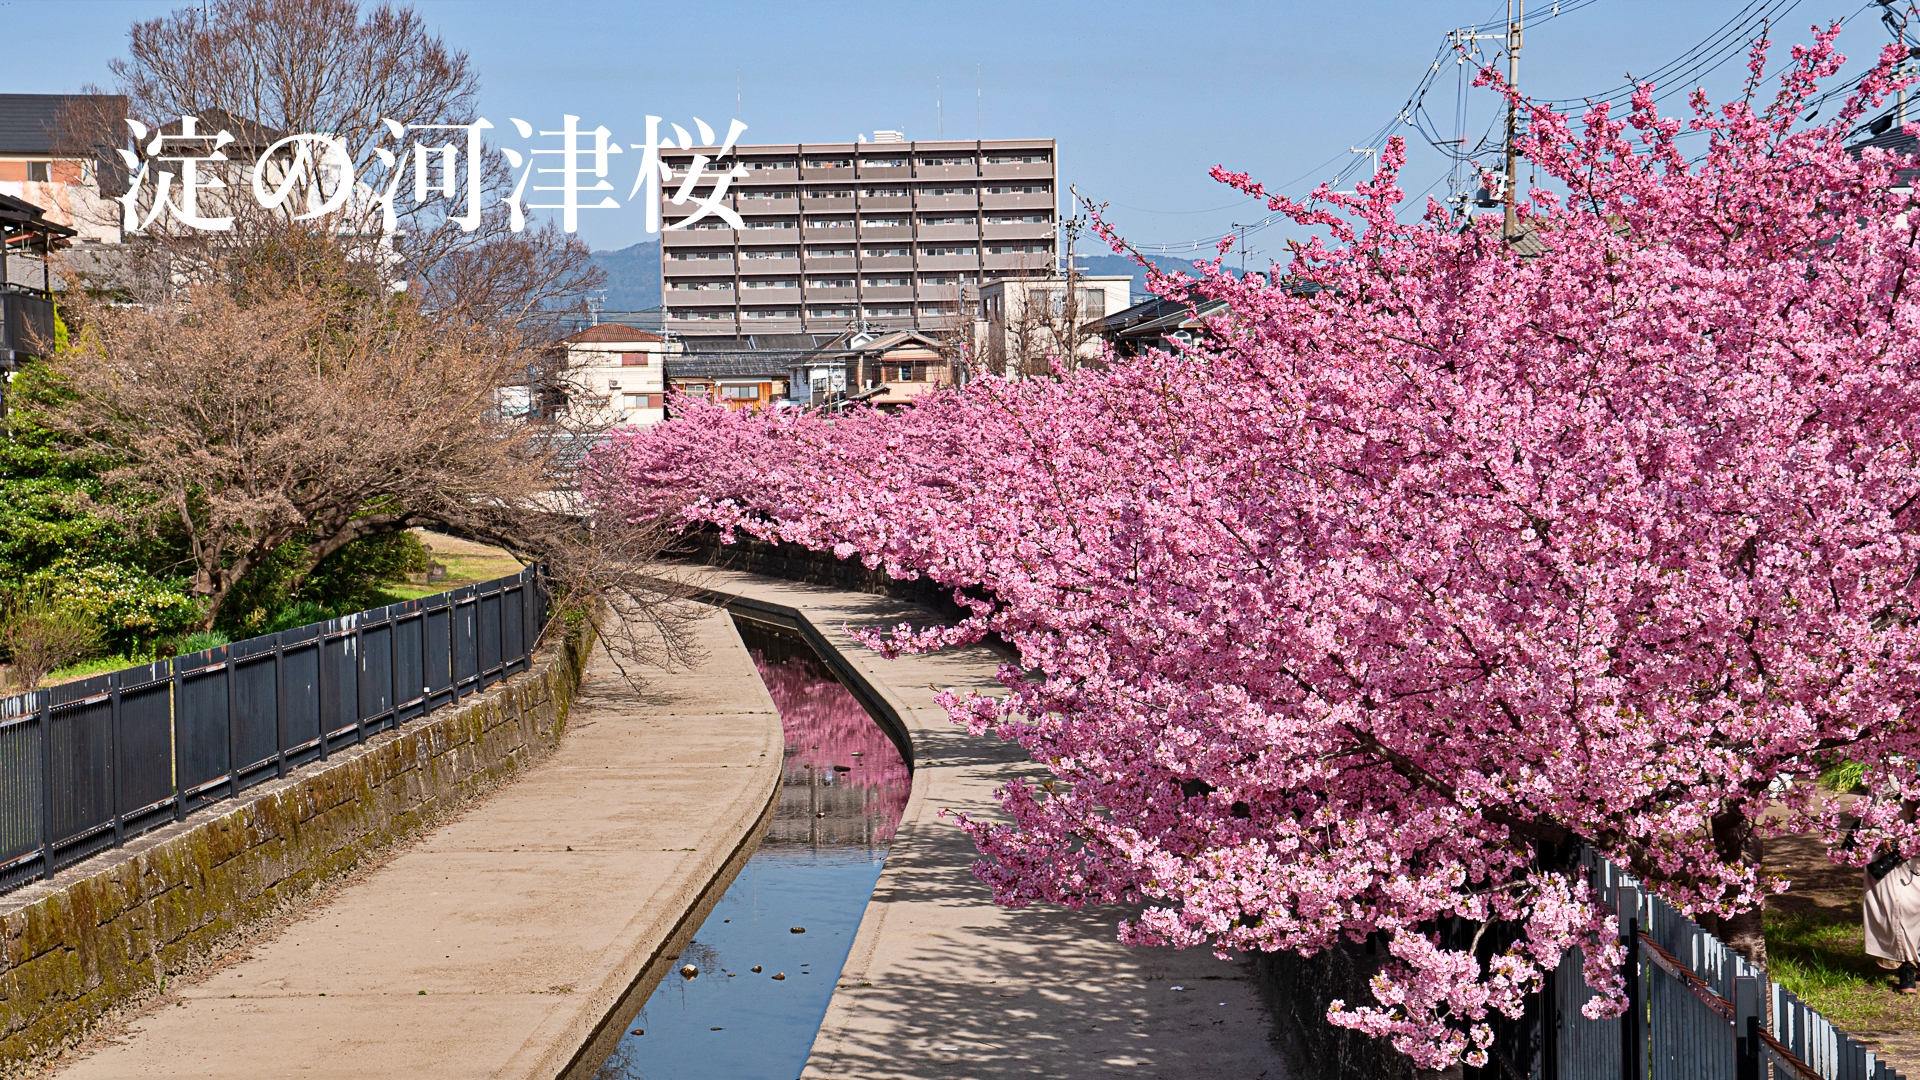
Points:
(202, 639)
(274, 597)
(40, 636)
(130, 607)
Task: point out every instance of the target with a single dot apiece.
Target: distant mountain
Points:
(1121, 264)
(633, 276)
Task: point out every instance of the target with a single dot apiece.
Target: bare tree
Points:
(264, 69)
(1046, 329)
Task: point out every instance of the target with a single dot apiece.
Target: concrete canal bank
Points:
(941, 982)
(517, 937)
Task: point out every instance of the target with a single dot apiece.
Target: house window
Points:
(771, 283)
(767, 253)
(832, 193)
(886, 282)
(830, 253)
(947, 249)
(884, 192)
(906, 373)
(829, 312)
(1020, 189)
(945, 191)
(948, 162)
(829, 283)
(829, 223)
(740, 393)
(886, 163)
(40, 171)
(1017, 159)
(772, 313)
(635, 401)
(885, 252)
(829, 163)
(766, 223)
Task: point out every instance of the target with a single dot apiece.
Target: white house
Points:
(617, 375)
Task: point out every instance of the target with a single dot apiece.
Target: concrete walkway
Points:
(941, 982)
(524, 921)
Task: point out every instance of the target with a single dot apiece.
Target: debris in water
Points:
(639, 1031)
(756, 969)
(713, 1029)
(796, 929)
(1176, 988)
(779, 975)
(689, 971)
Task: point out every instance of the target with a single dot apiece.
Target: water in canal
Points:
(841, 796)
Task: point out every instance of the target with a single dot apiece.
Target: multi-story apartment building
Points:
(899, 234)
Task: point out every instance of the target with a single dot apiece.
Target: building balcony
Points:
(948, 232)
(884, 262)
(924, 203)
(1030, 263)
(817, 202)
(699, 298)
(819, 295)
(875, 170)
(763, 207)
(822, 264)
(701, 238)
(945, 172)
(680, 325)
(787, 325)
(785, 234)
(1028, 231)
(784, 172)
(885, 202)
(886, 294)
(752, 297)
(950, 262)
(930, 291)
(1018, 201)
(883, 232)
(1018, 171)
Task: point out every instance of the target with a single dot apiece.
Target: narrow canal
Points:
(768, 956)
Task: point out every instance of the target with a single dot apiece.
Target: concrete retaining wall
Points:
(109, 932)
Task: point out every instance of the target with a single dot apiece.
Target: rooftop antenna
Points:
(979, 123)
(594, 302)
(736, 93)
(939, 116)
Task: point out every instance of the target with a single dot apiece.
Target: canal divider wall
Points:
(113, 931)
(940, 981)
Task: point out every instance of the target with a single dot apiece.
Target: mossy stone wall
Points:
(109, 933)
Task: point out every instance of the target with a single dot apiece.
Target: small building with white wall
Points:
(616, 375)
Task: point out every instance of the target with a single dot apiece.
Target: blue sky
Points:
(1143, 98)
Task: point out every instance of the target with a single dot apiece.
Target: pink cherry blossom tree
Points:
(1436, 555)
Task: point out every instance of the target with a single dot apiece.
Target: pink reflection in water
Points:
(825, 727)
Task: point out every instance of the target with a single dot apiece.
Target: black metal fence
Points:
(86, 765)
(1698, 1011)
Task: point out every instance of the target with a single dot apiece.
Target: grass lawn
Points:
(1816, 948)
(466, 563)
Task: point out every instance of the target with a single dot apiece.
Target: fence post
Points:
(46, 783)
(426, 669)
(320, 666)
(1746, 1024)
(279, 709)
(393, 667)
(173, 729)
(113, 755)
(1631, 1034)
(360, 676)
(233, 728)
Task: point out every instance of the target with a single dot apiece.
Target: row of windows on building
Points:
(925, 191)
(814, 311)
(870, 281)
(925, 161)
(969, 221)
(879, 251)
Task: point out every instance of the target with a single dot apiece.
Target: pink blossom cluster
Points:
(1435, 555)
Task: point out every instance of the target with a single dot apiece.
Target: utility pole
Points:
(1243, 248)
(1516, 11)
(1070, 308)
